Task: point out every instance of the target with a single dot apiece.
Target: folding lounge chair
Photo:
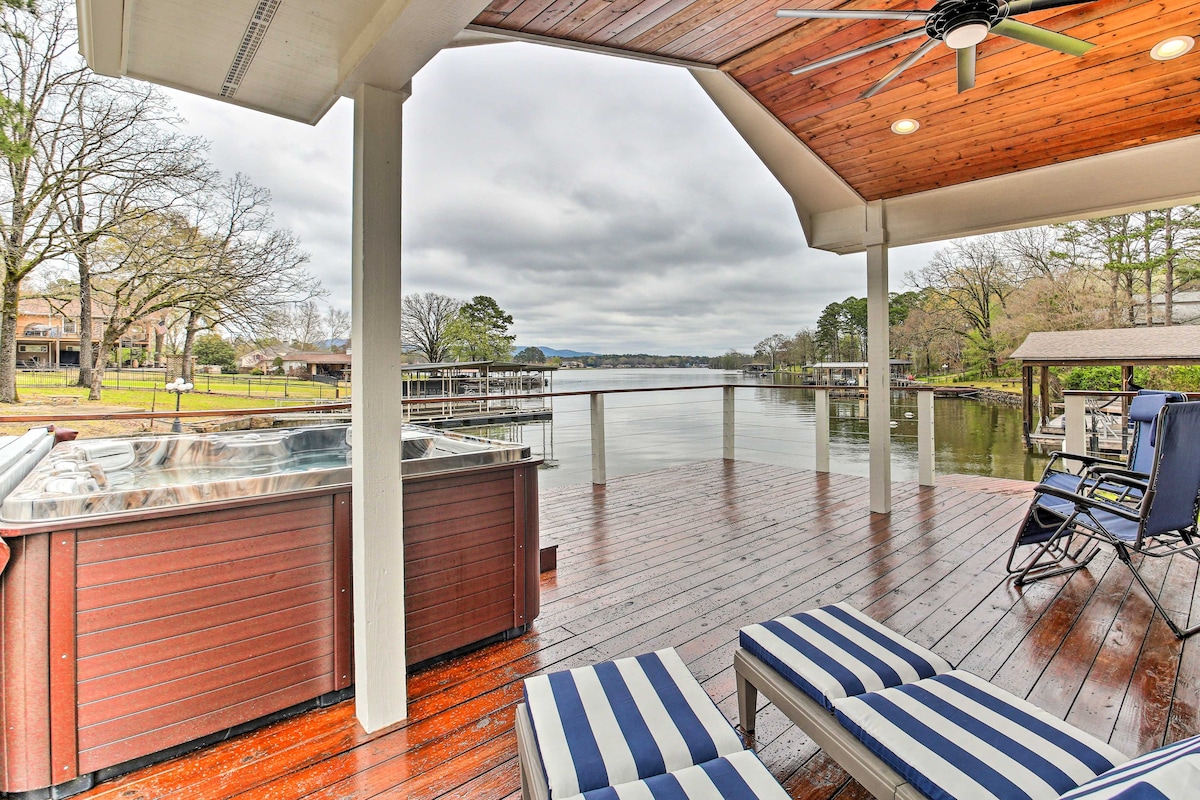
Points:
(1161, 523)
(866, 696)
(1075, 472)
(632, 729)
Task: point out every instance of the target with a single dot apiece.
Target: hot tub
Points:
(163, 589)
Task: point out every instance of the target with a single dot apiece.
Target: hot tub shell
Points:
(126, 633)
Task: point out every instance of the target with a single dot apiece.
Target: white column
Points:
(728, 418)
(599, 466)
(378, 551)
(1075, 413)
(821, 410)
(925, 442)
(878, 357)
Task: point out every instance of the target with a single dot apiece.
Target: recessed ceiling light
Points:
(905, 126)
(1172, 48)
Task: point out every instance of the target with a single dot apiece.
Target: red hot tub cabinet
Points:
(132, 633)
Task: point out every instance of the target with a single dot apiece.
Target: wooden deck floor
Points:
(683, 557)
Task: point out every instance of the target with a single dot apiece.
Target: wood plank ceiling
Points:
(1031, 106)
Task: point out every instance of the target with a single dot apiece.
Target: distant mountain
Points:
(551, 352)
(329, 344)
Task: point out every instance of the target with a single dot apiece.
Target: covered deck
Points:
(682, 557)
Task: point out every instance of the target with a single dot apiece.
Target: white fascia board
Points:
(101, 25)
(1140, 178)
(816, 190)
(400, 39)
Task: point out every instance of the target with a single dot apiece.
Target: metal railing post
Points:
(1075, 440)
(925, 438)
(599, 470)
(821, 409)
(727, 426)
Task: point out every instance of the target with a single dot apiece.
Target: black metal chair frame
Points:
(1085, 522)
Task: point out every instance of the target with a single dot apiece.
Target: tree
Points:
(829, 332)
(425, 321)
(302, 324)
(212, 349)
(337, 326)
(479, 331)
(974, 281)
(42, 75)
(250, 270)
(771, 347)
(530, 355)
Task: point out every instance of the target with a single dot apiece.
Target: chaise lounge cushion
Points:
(837, 651)
(1168, 773)
(623, 721)
(957, 736)
(740, 776)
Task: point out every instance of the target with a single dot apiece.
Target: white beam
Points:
(378, 550)
(102, 34)
(878, 360)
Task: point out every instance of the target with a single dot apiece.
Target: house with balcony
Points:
(48, 334)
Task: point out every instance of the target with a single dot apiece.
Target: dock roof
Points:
(1117, 346)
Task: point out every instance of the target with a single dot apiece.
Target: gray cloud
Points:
(606, 204)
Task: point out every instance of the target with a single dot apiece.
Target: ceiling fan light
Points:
(967, 35)
(903, 127)
(1173, 47)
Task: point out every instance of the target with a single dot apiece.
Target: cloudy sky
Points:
(606, 204)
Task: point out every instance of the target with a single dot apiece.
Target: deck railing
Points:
(723, 434)
(1088, 428)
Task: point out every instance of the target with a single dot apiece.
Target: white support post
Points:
(925, 438)
(599, 468)
(821, 410)
(878, 360)
(378, 542)
(727, 423)
(1076, 421)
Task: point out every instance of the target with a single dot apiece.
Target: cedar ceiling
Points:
(1030, 107)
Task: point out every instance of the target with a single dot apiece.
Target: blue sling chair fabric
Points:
(837, 651)
(1162, 521)
(623, 721)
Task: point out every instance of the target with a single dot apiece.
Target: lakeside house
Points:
(331, 366)
(871, 160)
(48, 333)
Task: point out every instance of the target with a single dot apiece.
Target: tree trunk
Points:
(87, 350)
(189, 338)
(1128, 298)
(1168, 270)
(98, 369)
(159, 339)
(8, 341)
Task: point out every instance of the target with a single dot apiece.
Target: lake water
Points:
(651, 430)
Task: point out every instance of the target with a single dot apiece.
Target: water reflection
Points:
(646, 431)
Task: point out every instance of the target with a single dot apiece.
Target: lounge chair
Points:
(1158, 521)
(852, 685)
(1077, 472)
(633, 728)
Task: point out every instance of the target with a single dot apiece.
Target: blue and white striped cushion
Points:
(622, 721)
(957, 736)
(837, 651)
(740, 776)
(1168, 773)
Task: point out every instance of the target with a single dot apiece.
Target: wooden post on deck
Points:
(727, 423)
(925, 438)
(1044, 413)
(821, 409)
(599, 468)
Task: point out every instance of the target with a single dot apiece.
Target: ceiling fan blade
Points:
(1040, 36)
(1025, 6)
(966, 68)
(882, 43)
(903, 65)
(803, 13)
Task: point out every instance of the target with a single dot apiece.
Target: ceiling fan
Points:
(960, 24)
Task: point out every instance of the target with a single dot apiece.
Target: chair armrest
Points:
(1083, 502)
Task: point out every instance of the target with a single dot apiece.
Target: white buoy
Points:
(908, 415)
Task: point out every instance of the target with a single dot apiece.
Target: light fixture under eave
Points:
(967, 35)
(1173, 47)
(903, 127)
